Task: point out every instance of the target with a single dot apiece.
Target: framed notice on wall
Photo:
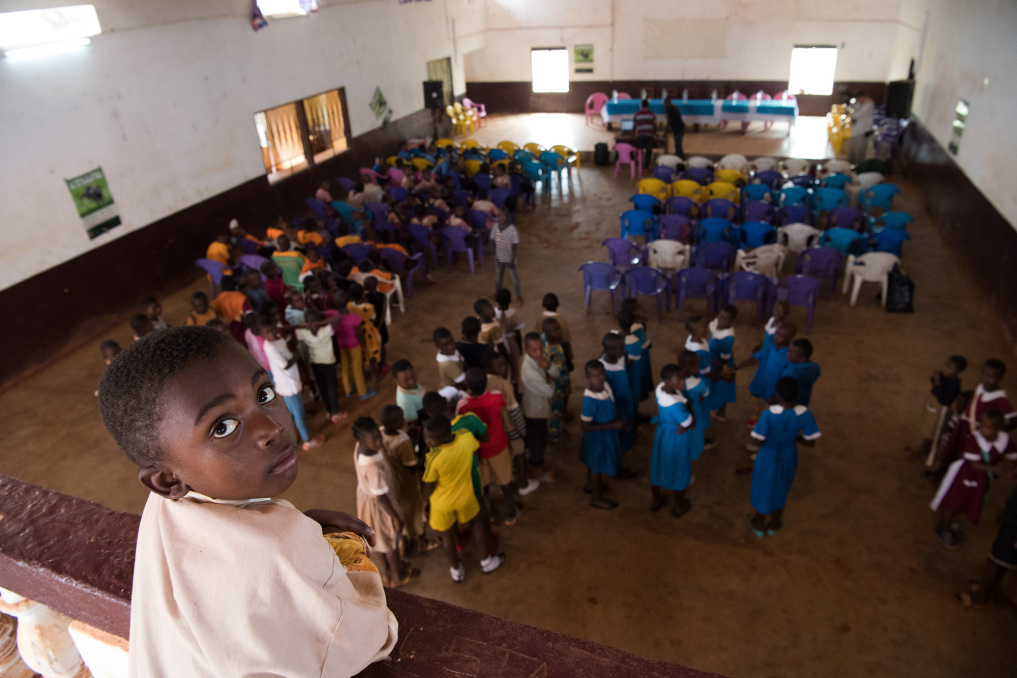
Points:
(94, 202)
(583, 56)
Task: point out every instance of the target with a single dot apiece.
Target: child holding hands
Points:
(671, 462)
(600, 449)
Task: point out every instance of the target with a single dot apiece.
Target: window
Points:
(550, 69)
(278, 9)
(441, 69)
(297, 135)
(812, 68)
(36, 32)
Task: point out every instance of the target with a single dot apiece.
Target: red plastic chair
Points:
(594, 103)
(630, 155)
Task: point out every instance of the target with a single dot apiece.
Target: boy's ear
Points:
(162, 481)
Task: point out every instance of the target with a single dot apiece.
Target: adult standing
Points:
(677, 126)
(644, 124)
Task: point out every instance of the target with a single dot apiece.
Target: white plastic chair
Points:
(836, 165)
(862, 183)
(793, 166)
(669, 160)
(735, 162)
(698, 161)
(765, 259)
(397, 291)
(798, 237)
(871, 267)
(667, 255)
(765, 164)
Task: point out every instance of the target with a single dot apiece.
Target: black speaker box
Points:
(434, 96)
(898, 98)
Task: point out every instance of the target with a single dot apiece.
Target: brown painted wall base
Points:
(518, 97)
(60, 308)
(975, 229)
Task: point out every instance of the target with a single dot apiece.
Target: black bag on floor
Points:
(900, 292)
(601, 155)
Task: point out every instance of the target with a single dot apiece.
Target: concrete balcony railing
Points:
(66, 567)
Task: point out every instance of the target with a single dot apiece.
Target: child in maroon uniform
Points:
(988, 395)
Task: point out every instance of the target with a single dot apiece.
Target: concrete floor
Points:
(856, 584)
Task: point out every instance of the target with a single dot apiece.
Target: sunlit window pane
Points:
(550, 70)
(812, 70)
(41, 26)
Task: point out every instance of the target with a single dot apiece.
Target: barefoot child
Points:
(215, 445)
(780, 429)
(377, 500)
(537, 375)
(671, 462)
(550, 310)
(349, 337)
(318, 336)
(399, 450)
(722, 389)
(562, 383)
(600, 449)
(287, 383)
(614, 363)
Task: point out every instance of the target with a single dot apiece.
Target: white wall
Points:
(755, 44)
(970, 53)
(164, 100)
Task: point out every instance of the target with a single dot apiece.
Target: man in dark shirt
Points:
(644, 124)
(677, 125)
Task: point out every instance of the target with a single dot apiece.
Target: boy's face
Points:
(595, 380)
(297, 301)
(783, 336)
(199, 304)
(225, 432)
(499, 367)
(535, 349)
(270, 332)
(990, 378)
(989, 428)
(153, 310)
(723, 320)
(949, 369)
(407, 379)
(446, 345)
(487, 312)
(780, 311)
(552, 331)
(795, 355)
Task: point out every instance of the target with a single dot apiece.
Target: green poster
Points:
(378, 103)
(584, 54)
(94, 202)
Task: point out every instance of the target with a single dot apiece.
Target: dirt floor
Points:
(856, 584)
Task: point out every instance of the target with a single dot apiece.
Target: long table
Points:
(707, 111)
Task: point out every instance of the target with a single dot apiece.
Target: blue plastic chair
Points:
(518, 183)
(758, 233)
(748, 286)
(757, 210)
(422, 238)
(522, 155)
(893, 220)
(345, 211)
(821, 262)
(844, 240)
(719, 207)
(497, 154)
(835, 180)
(397, 192)
(649, 282)
(600, 277)
(715, 256)
(357, 251)
(644, 202)
(892, 240)
(397, 263)
(683, 205)
(253, 262)
(848, 217)
(795, 195)
(700, 175)
(247, 246)
(455, 242)
(319, 208)
(800, 290)
(713, 230)
(794, 214)
(675, 227)
(215, 270)
(695, 282)
(826, 199)
(880, 195)
(554, 164)
(637, 223)
(771, 179)
(622, 253)
(802, 181)
(755, 192)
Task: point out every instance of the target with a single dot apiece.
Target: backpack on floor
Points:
(601, 155)
(900, 292)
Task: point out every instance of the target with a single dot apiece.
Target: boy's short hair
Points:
(997, 365)
(440, 334)
(390, 414)
(438, 425)
(668, 371)
(148, 300)
(312, 315)
(217, 324)
(531, 336)
(693, 321)
(199, 295)
(363, 425)
(480, 304)
(434, 403)
(503, 297)
(550, 302)
(626, 319)
(629, 304)
(787, 388)
(401, 365)
(140, 321)
(959, 361)
(804, 346)
(488, 357)
(476, 381)
(592, 365)
(108, 345)
(356, 290)
(549, 322)
(731, 310)
(687, 357)
(471, 325)
(131, 387)
(611, 338)
(994, 415)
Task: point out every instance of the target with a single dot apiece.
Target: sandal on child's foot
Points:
(756, 531)
(336, 418)
(369, 394)
(948, 538)
(458, 573)
(604, 504)
(313, 443)
(774, 529)
(510, 521)
(658, 504)
(679, 511)
(427, 546)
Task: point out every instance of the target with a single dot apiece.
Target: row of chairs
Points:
(465, 115)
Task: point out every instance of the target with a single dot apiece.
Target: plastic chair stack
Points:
(599, 276)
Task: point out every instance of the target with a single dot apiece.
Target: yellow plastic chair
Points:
(568, 154)
(472, 143)
(731, 176)
(655, 187)
(421, 164)
(502, 163)
(458, 124)
(688, 189)
(445, 143)
(507, 146)
(535, 149)
(471, 167)
(722, 189)
(391, 160)
(468, 120)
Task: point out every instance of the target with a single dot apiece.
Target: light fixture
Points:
(47, 49)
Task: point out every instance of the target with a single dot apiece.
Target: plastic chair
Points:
(522, 155)
(764, 164)
(821, 262)
(757, 210)
(848, 217)
(247, 246)
(748, 286)
(891, 240)
(518, 182)
(479, 108)
(668, 256)
(398, 193)
(669, 160)
(622, 253)
(758, 233)
(498, 154)
(844, 240)
(442, 144)
(644, 202)
(802, 180)
(735, 162)
(648, 282)
(771, 178)
(601, 277)
(880, 195)
(719, 207)
(798, 237)
(483, 181)
(397, 261)
(687, 188)
(801, 290)
(291, 267)
(836, 166)
(795, 195)
(458, 122)
(722, 189)
(700, 175)
(569, 155)
(698, 161)
(835, 180)
(470, 121)
(455, 241)
(654, 187)
(421, 235)
(892, 220)
(421, 164)
(713, 230)
(730, 176)
(792, 166)
(254, 262)
(636, 223)
(867, 180)
(715, 256)
(664, 173)
(473, 144)
(215, 270)
(826, 199)
(373, 176)
(681, 204)
(319, 208)
(507, 146)
(624, 96)
(347, 184)
(357, 251)
(695, 282)
(794, 214)
(631, 156)
(767, 260)
(554, 163)
(345, 211)
(674, 227)
(594, 103)
(534, 148)
(498, 196)
(871, 267)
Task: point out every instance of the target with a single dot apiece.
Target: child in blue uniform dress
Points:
(771, 362)
(801, 368)
(696, 389)
(671, 462)
(639, 329)
(634, 353)
(601, 446)
(722, 336)
(780, 311)
(614, 363)
(780, 429)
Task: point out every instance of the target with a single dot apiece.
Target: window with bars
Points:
(299, 134)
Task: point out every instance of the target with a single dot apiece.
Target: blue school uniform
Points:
(806, 374)
(696, 392)
(721, 351)
(624, 403)
(646, 384)
(777, 459)
(600, 450)
(634, 368)
(769, 331)
(771, 364)
(671, 461)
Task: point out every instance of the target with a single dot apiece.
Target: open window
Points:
(550, 69)
(39, 32)
(300, 134)
(812, 69)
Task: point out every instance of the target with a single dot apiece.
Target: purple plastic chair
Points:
(498, 196)
(848, 217)
(397, 192)
(821, 262)
(247, 246)
(347, 184)
(396, 261)
(675, 227)
(757, 210)
(695, 282)
(748, 286)
(802, 180)
(649, 282)
(215, 271)
(715, 256)
(379, 215)
(622, 253)
(518, 181)
(602, 277)
(664, 173)
(455, 241)
(357, 252)
(438, 212)
(683, 205)
(483, 181)
(720, 208)
(771, 178)
(800, 290)
(794, 214)
(395, 176)
(253, 262)
(461, 198)
(700, 175)
(422, 238)
(320, 209)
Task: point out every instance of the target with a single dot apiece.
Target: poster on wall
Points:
(94, 202)
(378, 103)
(584, 58)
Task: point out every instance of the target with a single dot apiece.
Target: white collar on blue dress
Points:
(696, 346)
(720, 334)
(612, 367)
(454, 358)
(606, 394)
(799, 409)
(665, 399)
